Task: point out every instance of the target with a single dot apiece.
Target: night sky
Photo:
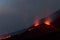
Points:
(19, 14)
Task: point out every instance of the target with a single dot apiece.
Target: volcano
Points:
(46, 28)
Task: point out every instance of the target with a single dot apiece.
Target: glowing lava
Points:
(37, 22)
(30, 29)
(5, 37)
(47, 22)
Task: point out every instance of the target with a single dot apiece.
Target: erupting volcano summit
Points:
(42, 28)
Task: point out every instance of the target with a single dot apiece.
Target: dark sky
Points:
(18, 14)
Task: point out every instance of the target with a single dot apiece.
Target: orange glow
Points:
(5, 37)
(36, 22)
(47, 22)
(30, 29)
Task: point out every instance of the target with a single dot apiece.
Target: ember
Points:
(47, 22)
(30, 29)
(37, 22)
